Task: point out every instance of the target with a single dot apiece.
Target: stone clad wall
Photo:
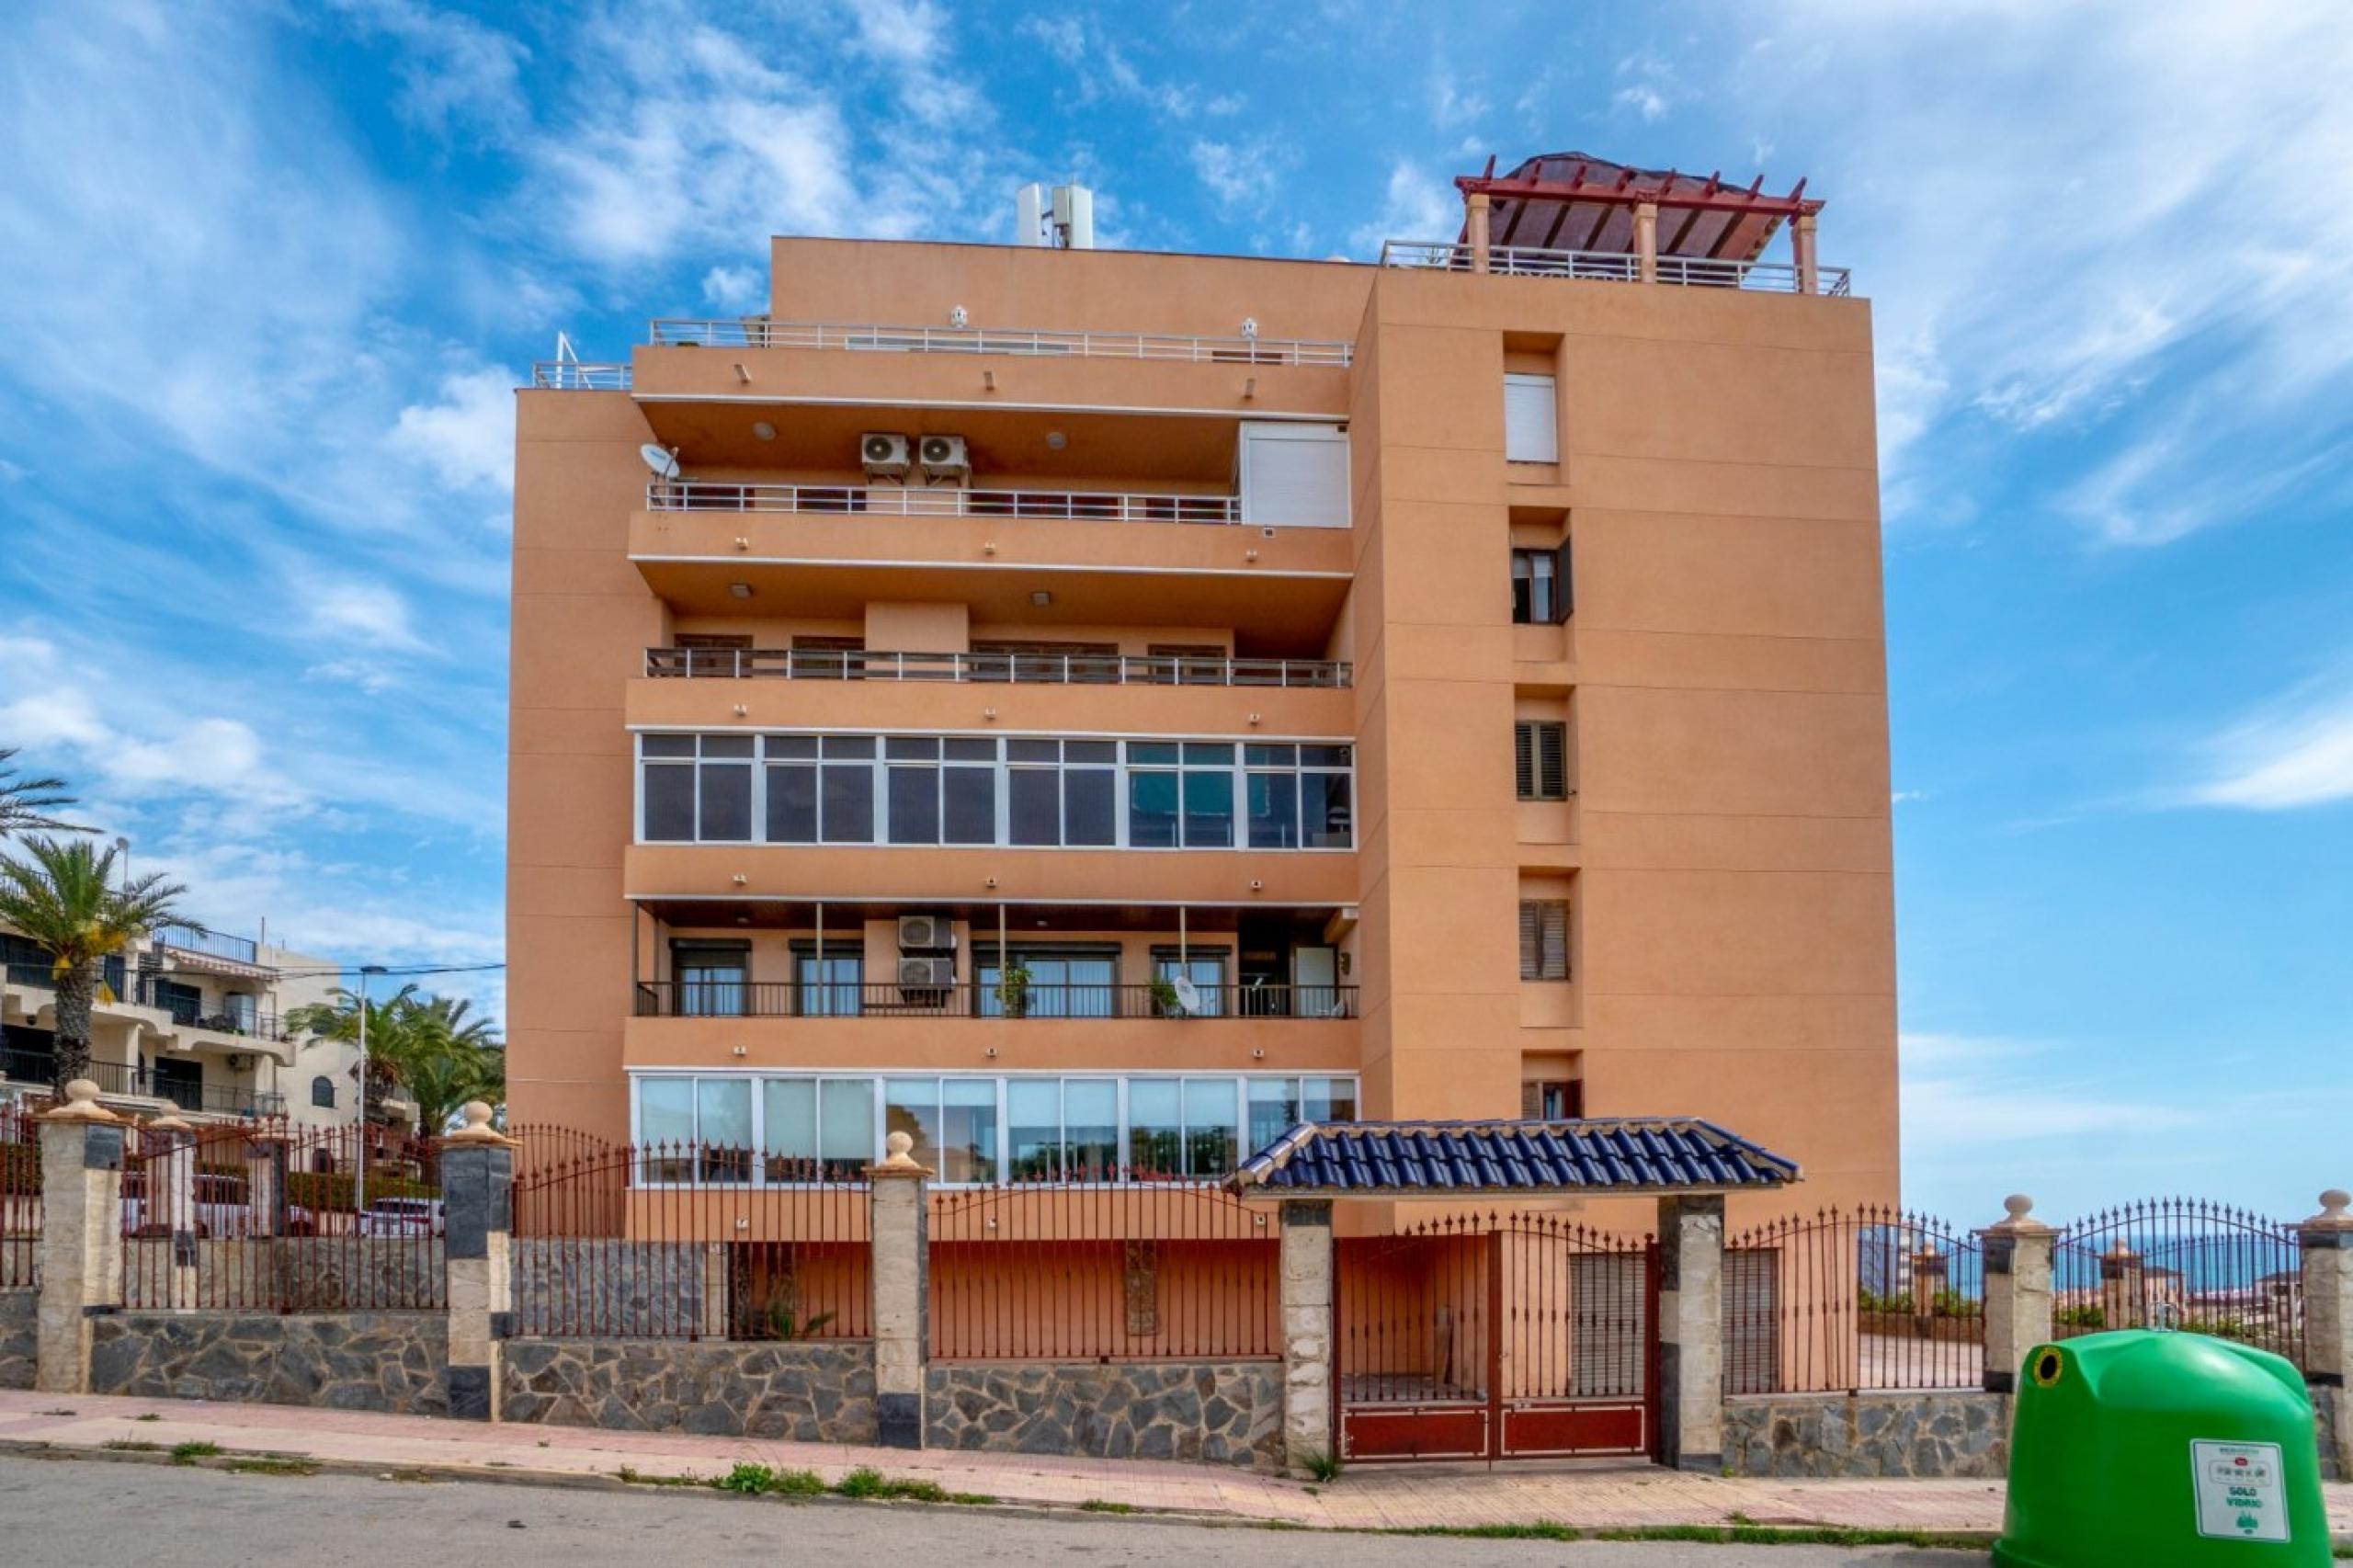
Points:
(1215, 1411)
(1938, 1431)
(806, 1391)
(388, 1361)
(299, 1274)
(2325, 1403)
(20, 1336)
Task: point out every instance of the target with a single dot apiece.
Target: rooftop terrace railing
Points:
(942, 501)
(573, 375)
(758, 332)
(1614, 266)
(969, 998)
(214, 944)
(1048, 669)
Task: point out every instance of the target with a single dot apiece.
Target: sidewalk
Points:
(1368, 1498)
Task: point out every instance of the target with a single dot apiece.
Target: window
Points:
(1205, 967)
(323, 1092)
(711, 978)
(1295, 475)
(1540, 587)
(1531, 420)
(1544, 938)
(1541, 759)
(974, 789)
(1062, 984)
(1553, 1099)
(828, 987)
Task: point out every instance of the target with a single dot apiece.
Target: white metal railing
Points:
(1049, 669)
(758, 332)
(941, 500)
(573, 375)
(1524, 261)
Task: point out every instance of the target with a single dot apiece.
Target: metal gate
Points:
(1506, 1336)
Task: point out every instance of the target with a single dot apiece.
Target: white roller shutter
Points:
(1295, 475)
(1531, 420)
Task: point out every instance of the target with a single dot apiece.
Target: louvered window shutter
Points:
(1552, 762)
(1524, 760)
(1562, 603)
(1543, 939)
(1531, 939)
(1556, 941)
(1531, 1100)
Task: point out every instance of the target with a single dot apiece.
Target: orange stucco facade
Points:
(1722, 843)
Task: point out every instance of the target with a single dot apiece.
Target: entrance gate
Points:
(1507, 1336)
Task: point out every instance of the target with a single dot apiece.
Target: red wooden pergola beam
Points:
(1623, 192)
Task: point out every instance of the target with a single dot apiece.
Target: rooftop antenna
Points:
(1060, 217)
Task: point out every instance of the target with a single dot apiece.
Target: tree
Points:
(24, 803)
(424, 1045)
(63, 895)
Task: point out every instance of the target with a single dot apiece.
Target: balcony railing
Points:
(759, 332)
(573, 375)
(1616, 267)
(126, 1082)
(969, 998)
(1047, 669)
(945, 501)
(214, 944)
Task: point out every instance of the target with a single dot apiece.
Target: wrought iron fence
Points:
(246, 1218)
(1849, 1300)
(1135, 1268)
(20, 1197)
(673, 1241)
(2181, 1263)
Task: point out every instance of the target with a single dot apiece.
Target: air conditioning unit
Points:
(885, 456)
(943, 457)
(926, 934)
(931, 974)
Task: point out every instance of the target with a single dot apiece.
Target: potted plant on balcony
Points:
(1013, 991)
(1164, 997)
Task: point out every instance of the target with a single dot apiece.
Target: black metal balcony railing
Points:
(217, 944)
(122, 1079)
(1049, 669)
(975, 999)
(188, 1013)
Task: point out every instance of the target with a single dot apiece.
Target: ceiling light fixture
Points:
(1056, 440)
(762, 429)
(1041, 599)
(740, 590)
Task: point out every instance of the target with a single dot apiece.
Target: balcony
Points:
(1027, 669)
(761, 332)
(212, 944)
(914, 501)
(120, 1081)
(1611, 267)
(974, 999)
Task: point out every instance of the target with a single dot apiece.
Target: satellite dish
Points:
(1189, 995)
(661, 460)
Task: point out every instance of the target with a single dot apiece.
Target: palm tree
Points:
(63, 896)
(24, 803)
(389, 1021)
(424, 1044)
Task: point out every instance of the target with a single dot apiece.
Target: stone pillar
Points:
(2017, 1290)
(1927, 1283)
(1646, 241)
(1475, 212)
(714, 1290)
(81, 1235)
(478, 1209)
(1691, 1332)
(1801, 249)
(1308, 1334)
(2123, 1287)
(901, 1228)
(266, 1182)
(168, 1208)
(2327, 1239)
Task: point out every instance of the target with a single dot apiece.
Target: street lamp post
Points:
(360, 1159)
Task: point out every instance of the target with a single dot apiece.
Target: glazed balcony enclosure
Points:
(977, 985)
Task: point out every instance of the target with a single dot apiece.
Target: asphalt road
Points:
(56, 1513)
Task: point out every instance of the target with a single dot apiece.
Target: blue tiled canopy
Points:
(1440, 1159)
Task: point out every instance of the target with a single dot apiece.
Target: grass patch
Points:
(867, 1484)
(414, 1477)
(125, 1446)
(189, 1454)
(639, 1478)
(272, 1464)
(1323, 1466)
(1097, 1505)
(972, 1499)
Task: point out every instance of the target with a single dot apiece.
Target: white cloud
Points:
(1417, 205)
(1643, 99)
(2293, 754)
(453, 68)
(907, 32)
(1962, 1093)
(732, 288)
(368, 612)
(467, 438)
(1240, 175)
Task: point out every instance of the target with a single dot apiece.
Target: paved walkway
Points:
(1590, 1496)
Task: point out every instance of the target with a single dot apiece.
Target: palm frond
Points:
(25, 802)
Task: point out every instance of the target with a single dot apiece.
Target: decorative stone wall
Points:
(19, 1337)
(1214, 1412)
(608, 1290)
(2325, 1404)
(389, 1361)
(807, 1390)
(1944, 1432)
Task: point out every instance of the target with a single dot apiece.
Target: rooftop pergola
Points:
(1578, 203)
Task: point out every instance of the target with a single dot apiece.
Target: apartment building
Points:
(189, 1022)
(1091, 710)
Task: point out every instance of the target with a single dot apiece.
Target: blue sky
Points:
(271, 270)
